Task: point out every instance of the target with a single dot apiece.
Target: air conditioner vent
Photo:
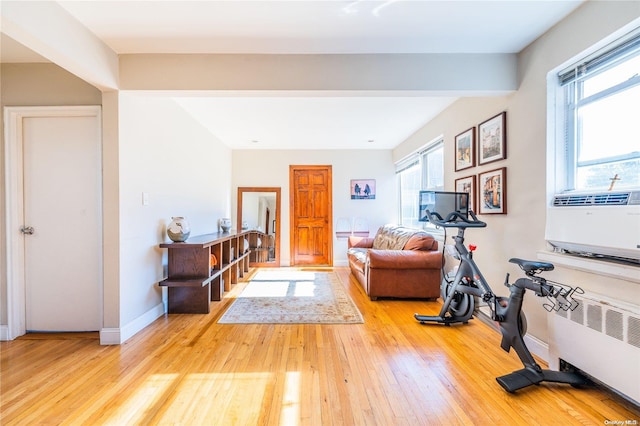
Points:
(614, 324)
(600, 199)
(594, 317)
(577, 315)
(633, 331)
(599, 224)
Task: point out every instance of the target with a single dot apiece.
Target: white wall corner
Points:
(110, 336)
(117, 336)
(4, 333)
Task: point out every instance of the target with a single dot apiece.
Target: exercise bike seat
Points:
(531, 266)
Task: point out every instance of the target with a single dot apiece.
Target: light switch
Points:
(145, 198)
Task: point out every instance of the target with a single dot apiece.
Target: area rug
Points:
(293, 297)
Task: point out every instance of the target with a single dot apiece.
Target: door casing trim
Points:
(14, 209)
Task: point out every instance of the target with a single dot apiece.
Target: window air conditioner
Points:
(597, 223)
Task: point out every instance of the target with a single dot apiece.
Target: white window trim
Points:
(556, 164)
(408, 161)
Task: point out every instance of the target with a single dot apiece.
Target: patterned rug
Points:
(293, 297)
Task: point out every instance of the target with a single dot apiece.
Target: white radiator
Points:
(601, 337)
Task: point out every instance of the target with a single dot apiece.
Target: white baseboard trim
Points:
(117, 336)
(4, 333)
(110, 336)
(537, 347)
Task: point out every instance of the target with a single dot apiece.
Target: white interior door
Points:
(62, 203)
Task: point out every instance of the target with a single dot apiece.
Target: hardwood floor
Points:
(187, 369)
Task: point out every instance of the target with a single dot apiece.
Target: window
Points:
(409, 183)
(422, 171)
(601, 98)
(433, 160)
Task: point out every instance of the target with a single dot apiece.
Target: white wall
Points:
(271, 168)
(184, 170)
(520, 233)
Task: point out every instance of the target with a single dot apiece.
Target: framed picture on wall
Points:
(468, 185)
(363, 189)
(493, 191)
(465, 144)
(492, 139)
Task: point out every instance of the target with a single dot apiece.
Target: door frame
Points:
(292, 222)
(14, 205)
(276, 228)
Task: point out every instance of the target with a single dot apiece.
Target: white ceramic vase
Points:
(178, 230)
(225, 224)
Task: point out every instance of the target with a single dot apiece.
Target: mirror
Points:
(259, 211)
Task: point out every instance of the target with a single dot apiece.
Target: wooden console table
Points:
(193, 280)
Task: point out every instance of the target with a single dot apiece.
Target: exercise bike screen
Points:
(443, 203)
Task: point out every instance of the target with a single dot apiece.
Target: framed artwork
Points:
(465, 149)
(363, 189)
(492, 139)
(493, 191)
(468, 185)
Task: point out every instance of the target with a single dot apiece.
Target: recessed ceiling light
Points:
(255, 141)
(371, 141)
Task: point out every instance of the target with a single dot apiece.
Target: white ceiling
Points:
(297, 26)
(326, 26)
(314, 122)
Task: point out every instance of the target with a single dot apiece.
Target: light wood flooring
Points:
(189, 370)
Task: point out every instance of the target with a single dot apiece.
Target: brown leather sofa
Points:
(398, 262)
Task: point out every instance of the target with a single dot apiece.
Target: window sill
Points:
(594, 266)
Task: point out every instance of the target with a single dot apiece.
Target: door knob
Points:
(28, 230)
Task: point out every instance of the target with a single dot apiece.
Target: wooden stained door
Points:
(311, 218)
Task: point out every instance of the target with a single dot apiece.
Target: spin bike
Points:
(459, 303)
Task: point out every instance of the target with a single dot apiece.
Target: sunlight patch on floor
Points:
(145, 398)
(281, 289)
(291, 400)
(282, 283)
(201, 398)
(284, 275)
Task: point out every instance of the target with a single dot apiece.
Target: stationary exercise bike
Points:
(459, 303)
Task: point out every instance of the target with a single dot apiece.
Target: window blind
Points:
(407, 163)
(602, 58)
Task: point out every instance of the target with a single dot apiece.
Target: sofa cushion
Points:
(359, 253)
(392, 237)
(364, 242)
(421, 241)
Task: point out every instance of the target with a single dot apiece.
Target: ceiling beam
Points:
(445, 74)
(49, 30)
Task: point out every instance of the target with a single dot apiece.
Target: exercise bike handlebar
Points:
(455, 220)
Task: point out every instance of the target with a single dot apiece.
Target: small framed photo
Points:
(465, 149)
(363, 189)
(468, 185)
(492, 139)
(493, 191)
